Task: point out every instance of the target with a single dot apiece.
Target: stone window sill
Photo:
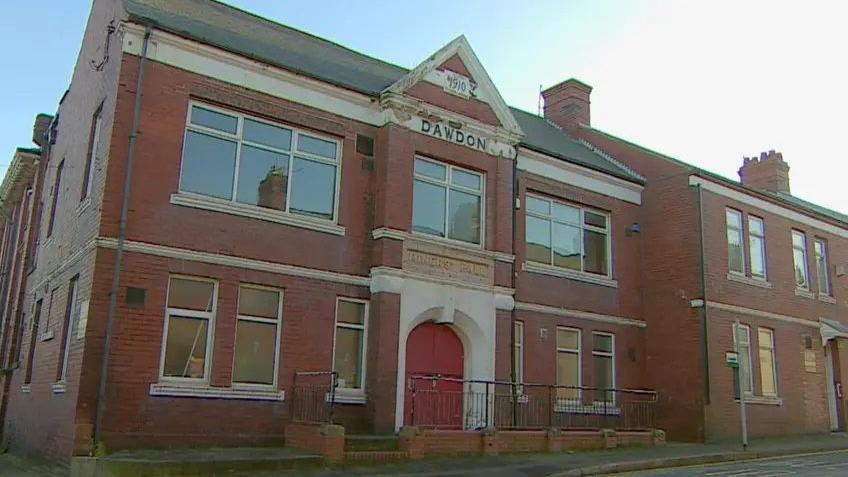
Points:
(827, 298)
(762, 400)
(58, 387)
(205, 391)
(348, 396)
(269, 215)
(543, 269)
(757, 282)
(805, 293)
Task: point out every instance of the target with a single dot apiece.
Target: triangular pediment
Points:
(454, 79)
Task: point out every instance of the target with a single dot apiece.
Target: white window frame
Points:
(448, 185)
(581, 226)
(278, 322)
(762, 250)
(579, 352)
(747, 332)
(609, 354)
(798, 233)
(822, 271)
(771, 348)
(210, 331)
(518, 349)
(359, 391)
(69, 321)
(238, 139)
(728, 227)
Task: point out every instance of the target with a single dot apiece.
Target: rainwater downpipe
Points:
(704, 326)
(119, 250)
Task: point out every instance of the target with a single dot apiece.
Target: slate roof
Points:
(542, 136)
(797, 202)
(249, 35)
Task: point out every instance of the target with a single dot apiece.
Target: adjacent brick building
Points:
(280, 204)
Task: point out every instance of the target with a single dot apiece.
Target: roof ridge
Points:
(608, 157)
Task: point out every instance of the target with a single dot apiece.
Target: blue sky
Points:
(705, 82)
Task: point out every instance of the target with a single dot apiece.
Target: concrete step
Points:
(375, 456)
(192, 462)
(369, 442)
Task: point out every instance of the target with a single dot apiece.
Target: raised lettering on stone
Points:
(447, 133)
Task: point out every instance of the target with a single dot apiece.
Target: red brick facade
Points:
(665, 249)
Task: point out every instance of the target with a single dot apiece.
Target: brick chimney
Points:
(39, 129)
(768, 172)
(567, 104)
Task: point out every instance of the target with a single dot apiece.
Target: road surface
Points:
(833, 464)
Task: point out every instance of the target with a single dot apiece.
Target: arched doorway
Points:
(434, 350)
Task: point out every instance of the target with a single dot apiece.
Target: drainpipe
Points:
(119, 250)
(704, 344)
(513, 206)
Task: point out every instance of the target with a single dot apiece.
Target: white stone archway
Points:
(469, 312)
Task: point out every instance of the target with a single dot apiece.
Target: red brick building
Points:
(715, 251)
(277, 204)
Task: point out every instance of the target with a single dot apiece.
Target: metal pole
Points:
(742, 380)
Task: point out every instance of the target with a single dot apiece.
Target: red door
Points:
(434, 350)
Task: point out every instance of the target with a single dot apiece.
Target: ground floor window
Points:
(568, 363)
(742, 339)
(189, 322)
(349, 342)
(257, 335)
(768, 374)
(518, 352)
(603, 366)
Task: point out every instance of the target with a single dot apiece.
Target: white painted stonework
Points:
(471, 315)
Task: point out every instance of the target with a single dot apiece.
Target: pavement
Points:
(675, 459)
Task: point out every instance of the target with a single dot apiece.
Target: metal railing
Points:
(445, 403)
(313, 396)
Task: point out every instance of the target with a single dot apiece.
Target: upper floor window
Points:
(93, 140)
(822, 271)
(250, 161)
(57, 183)
(757, 247)
(567, 236)
(799, 256)
(735, 250)
(447, 201)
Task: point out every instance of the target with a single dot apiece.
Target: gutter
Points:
(119, 250)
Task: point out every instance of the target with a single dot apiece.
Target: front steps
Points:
(373, 448)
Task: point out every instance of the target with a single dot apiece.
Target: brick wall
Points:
(43, 423)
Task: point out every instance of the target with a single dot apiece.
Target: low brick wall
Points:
(328, 440)
(420, 443)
